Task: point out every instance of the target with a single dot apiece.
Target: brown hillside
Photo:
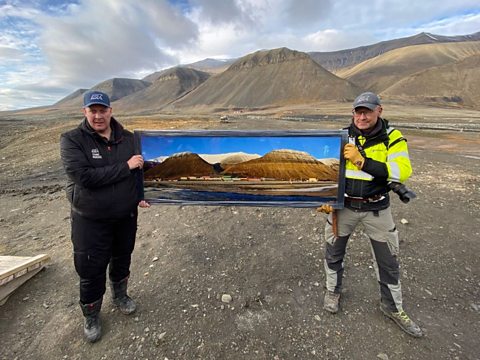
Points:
(267, 78)
(283, 165)
(74, 98)
(456, 83)
(380, 73)
(166, 87)
(333, 163)
(116, 88)
(337, 60)
(178, 165)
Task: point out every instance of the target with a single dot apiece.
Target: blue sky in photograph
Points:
(50, 48)
(319, 148)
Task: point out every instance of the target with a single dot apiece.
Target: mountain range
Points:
(282, 164)
(422, 69)
(336, 60)
(181, 165)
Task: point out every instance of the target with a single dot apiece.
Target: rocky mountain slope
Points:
(281, 164)
(267, 78)
(166, 86)
(385, 70)
(116, 88)
(180, 165)
(455, 83)
(284, 165)
(286, 78)
(336, 60)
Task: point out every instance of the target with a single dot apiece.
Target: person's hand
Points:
(143, 204)
(350, 152)
(135, 162)
(327, 209)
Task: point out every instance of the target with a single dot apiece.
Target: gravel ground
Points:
(245, 282)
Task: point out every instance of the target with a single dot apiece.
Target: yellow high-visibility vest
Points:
(394, 155)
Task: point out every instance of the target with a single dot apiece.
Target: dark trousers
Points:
(98, 244)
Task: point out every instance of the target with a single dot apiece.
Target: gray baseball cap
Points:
(368, 100)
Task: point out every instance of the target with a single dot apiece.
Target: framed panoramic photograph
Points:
(303, 168)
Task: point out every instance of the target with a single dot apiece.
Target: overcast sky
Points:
(50, 48)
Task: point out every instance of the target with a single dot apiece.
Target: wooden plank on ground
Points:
(15, 270)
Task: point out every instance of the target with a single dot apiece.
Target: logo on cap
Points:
(96, 98)
(368, 100)
(363, 98)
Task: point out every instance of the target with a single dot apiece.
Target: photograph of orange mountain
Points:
(300, 169)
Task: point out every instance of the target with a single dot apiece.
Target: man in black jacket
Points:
(102, 167)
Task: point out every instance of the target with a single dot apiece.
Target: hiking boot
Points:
(120, 298)
(92, 328)
(403, 321)
(330, 301)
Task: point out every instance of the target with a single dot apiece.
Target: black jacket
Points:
(100, 186)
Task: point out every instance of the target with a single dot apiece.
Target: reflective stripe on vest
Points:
(398, 154)
(358, 174)
(394, 171)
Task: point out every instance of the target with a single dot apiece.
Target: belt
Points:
(373, 199)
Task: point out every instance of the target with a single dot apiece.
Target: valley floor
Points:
(270, 260)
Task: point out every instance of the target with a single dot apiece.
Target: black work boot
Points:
(92, 327)
(120, 298)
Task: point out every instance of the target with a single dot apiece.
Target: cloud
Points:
(462, 24)
(306, 13)
(236, 28)
(213, 40)
(13, 98)
(10, 54)
(242, 26)
(333, 40)
(17, 33)
(99, 40)
(218, 11)
(384, 17)
(50, 45)
(9, 10)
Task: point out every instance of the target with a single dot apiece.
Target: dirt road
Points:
(269, 260)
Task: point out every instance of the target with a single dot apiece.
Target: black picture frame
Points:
(243, 168)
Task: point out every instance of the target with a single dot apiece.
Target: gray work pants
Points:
(381, 230)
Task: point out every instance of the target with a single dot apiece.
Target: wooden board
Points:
(16, 270)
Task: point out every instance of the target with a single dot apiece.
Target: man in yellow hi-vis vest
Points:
(377, 160)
